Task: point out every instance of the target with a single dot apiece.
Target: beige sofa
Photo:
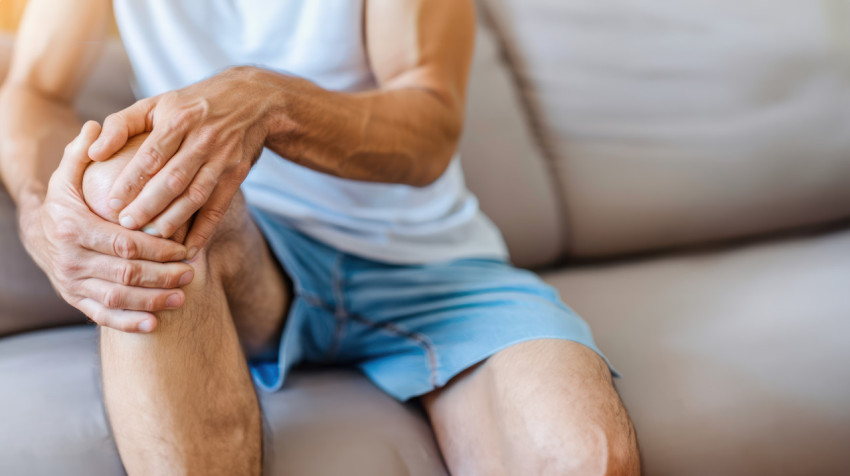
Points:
(680, 170)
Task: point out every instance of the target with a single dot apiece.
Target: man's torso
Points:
(174, 43)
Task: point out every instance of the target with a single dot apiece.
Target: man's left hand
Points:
(204, 139)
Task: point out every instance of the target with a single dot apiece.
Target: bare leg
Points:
(543, 407)
(181, 400)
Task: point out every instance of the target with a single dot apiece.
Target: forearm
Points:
(33, 133)
(54, 50)
(403, 136)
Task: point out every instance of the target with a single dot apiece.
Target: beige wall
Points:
(10, 13)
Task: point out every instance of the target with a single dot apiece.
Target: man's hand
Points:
(204, 139)
(115, 276)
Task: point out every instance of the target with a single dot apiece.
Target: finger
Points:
(157, 149)
(138, 273)
(118, 296)
(120, 126)
(181, 210)
(110, 239)
(168, 185)
(120, 320)
(75, 160)
(209, 216)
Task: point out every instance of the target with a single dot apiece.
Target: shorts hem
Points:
(419, 388)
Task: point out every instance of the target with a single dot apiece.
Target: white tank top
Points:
(174, 43)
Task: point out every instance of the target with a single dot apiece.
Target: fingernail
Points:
(192, 252)
(151, 230)
(127, 222)
(173, 301)
(95, 148)
(116, 204)
(186, 278)
(146, 326)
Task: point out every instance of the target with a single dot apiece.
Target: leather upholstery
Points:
(504, 167)
(672, 123)
(734, 360)
(27, 301)
(323, 424)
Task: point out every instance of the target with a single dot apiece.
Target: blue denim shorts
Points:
(408, 328)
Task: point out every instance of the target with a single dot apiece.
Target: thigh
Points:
(511, 376)
(539, 407)
(258, 290)
(412, 329)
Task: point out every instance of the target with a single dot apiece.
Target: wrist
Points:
(29, 199)
(275, 94)
(29, 202)
(257, 93)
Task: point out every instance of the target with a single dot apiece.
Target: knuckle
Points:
(112, 298)
(242, 170)
(66, 230)
(215, 214)
(175, 181)
(204, 105)
(129, 187)
(151, 160)
(181, 120)
(65, 267)
(207, 138)
(236, 178)
(113, 120)
(124, 247)
(128, 274)
(97, 317)
(166, 224)
(196, 195)
(166, 280)
(153, 303)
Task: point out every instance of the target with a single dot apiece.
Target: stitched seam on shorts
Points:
(315, 301)
(312, 299)
(420, 339)
(340, 314)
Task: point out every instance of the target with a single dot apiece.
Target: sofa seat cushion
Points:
(323, 423)
(677, 122)
(735, 362)
(27, 300)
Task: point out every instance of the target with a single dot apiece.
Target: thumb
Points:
(76, 157)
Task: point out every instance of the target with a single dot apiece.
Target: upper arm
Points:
(57, 44)
(422, 44)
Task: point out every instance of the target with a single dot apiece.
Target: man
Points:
(353, 239)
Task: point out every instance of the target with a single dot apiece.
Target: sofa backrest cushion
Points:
(674, 122)
(503, 164)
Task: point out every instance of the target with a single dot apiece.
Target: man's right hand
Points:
(116, 277)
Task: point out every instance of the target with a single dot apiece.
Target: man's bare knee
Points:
(100, 176)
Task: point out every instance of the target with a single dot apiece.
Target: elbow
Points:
(434, 167)
(440, 157)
